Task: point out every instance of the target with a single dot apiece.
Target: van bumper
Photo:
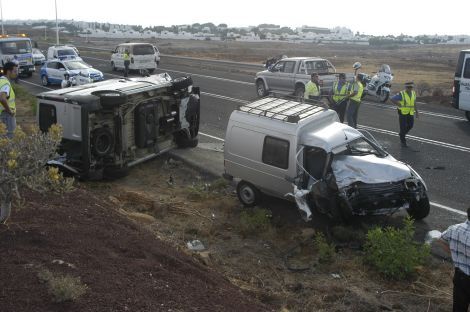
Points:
(227, 176)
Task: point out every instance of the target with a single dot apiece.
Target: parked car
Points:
(112, 125)
(461, 89)
(62, 52)
(38, 57)
(143, 56)
(54, 71)
(290, 75)
(302, 152)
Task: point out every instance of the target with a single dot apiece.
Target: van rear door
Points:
(464, 85)
(144, 56)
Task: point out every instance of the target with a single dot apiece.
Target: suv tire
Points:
(248, 194)
(299, 90)
(113, 66)
(261, 88)
(467, 114)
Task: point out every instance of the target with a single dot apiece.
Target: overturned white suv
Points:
(111, 125)
(302, 152)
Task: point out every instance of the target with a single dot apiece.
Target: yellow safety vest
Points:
(341, 94)
(126, 56)
(11, 98)
(407, 103)
(360, 89)
(311, 89)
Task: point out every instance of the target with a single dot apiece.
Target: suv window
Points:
(276, 152)
(466, 70)
(143, 49)
(288, 67)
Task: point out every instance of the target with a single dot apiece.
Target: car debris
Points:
(301, 152)
(195, 245)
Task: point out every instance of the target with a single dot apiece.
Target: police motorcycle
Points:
(378, 85)
(75, 80)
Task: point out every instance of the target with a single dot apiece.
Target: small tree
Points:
(23, 163)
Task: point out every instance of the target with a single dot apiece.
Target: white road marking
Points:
(35, 84)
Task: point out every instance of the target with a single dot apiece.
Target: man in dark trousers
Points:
(339, 96)
(405, 102)
(127, 62)
(456, 240)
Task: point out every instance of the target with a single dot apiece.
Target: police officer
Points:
(127, 62)
(7, 98)
(312, 88)
(339, 96)
(405, 102)
(354, 96)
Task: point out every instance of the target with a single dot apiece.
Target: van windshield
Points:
(361, 147)
(15, 47)
(66, 52)
(143, 49)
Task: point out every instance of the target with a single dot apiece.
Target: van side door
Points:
(464, 95)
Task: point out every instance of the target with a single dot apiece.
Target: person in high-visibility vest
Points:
(312, 88)
(354, 96)
(7, 98)
(339, 96)
(405, 102)
(127, 62)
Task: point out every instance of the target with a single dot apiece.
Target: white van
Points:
(62, 53)
(461, 90)
(302, 152)
(143, 56)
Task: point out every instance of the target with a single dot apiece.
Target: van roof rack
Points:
(281, 109)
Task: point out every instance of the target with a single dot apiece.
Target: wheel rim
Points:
(247, 194)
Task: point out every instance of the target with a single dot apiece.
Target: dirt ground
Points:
(145, 264)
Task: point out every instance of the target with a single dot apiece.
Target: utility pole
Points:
(56, 24)
(1, 11)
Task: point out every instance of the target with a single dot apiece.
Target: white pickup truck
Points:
(290, 75)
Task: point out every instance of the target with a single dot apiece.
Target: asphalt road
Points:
(440, 145)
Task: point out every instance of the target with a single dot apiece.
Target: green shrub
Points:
(197, 192)
(326, 251)
(63, 288)
(218, 185)
(253, 221)
(393, 252)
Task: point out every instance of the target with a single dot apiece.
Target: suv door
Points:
(285, 76)
(464, 95)
(52, 72)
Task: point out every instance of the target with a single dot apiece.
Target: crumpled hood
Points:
(368, 169)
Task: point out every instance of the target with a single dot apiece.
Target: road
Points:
(440, 145)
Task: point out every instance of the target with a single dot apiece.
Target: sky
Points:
(396, 17)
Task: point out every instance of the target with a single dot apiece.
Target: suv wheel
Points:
(248, 194)
(261, 88)
(467, 114)
(299, 91)
(181, 83)
(113, 66)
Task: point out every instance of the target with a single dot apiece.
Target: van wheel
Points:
(44, 80)
(261, 88)
(151, 70)
(467, 114)
(248, 194)
(181, 83)
(113, 66)
(182, 140)
(419, 209)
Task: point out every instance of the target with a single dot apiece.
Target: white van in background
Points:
(461, 89)
(143, 56)
(62, 53)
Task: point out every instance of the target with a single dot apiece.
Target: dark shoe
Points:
(403, 144)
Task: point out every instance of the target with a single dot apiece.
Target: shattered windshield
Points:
(361, 147)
